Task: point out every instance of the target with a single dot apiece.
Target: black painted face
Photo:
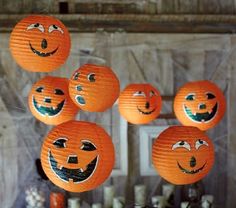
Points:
(192, 159)
(45, 110)
(75, 175)
(201, 117)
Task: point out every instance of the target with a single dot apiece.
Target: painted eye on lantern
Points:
(60, 143)
(54, 28)
(36, 26)
(91, 77)
(190, 97)
(199, 143)
(58, 92)
(76, 76)
(183, 144)
(152, 93)
(39, 89)
(87, 146)
(210, 96)
(139, 93)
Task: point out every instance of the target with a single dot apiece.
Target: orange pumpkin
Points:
(94, 88)
(140, 103)
(40, 43)
(77, 156)
(201, 104)
(183, 154)
(49, 101)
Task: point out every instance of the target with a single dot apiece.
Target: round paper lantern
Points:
(77, 156)
(94, 88)
(201, 104)
(183, 154)
(140, 103)
(49, 101)
(40, 43)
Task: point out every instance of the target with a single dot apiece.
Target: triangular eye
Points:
(152, 93)
(58, 92)
(87, 146)
(60, 143)
(39, 89)
(210, 96)
(76, 75)
(190, 97)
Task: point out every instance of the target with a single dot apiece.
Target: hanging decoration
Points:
(49, 101)
(77, 156)
(140, 103)
(40, 43)
(183, 154)
(201, 104)
(94, 88)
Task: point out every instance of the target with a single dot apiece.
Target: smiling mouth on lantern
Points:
(190, 171)
(41, 54)
(201, 117)
(49, 111)
(146, 112)
(76, 175)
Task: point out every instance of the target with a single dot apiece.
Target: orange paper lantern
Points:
(183, 154)
(40, 43)
(49, 101)
(201, 104)
(140, 103)
(77, 156)
(94, 88)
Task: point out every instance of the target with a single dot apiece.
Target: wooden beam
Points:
(137, 23)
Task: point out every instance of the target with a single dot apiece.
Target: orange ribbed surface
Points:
(201, 104)
(77, 156)
(94, 88)
(140, 103)
(49, 101)
(183, 154)
(40, 43)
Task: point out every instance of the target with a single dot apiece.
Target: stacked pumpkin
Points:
(79, 156)
(76, 155)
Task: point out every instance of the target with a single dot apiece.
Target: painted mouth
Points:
(77, 175)
(49, 111)
(80, 99)
(41, 54)
(201, 117)
(190, 171)
(146, 112)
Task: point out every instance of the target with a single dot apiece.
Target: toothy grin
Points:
(50, 111)
(190, 171)
(201, 117)
(41, 54)
(146, 112)
(75, 175)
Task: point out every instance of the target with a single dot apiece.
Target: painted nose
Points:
(73, 159)
(44, 44)
(192, 162)
(47, 100)
(147, 105)
(202, 106)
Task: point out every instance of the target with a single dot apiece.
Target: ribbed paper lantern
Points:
(183, 154)
(77, 156)
(201, 104)
(40, 43)
(94, 88)
(49, 101)
(140, 103)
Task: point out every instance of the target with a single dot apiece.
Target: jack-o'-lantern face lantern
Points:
(94, 88)
(183, 154)
(49, 101)
(40, 43)
(140, 103)
(200, 104)
(77, 156)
